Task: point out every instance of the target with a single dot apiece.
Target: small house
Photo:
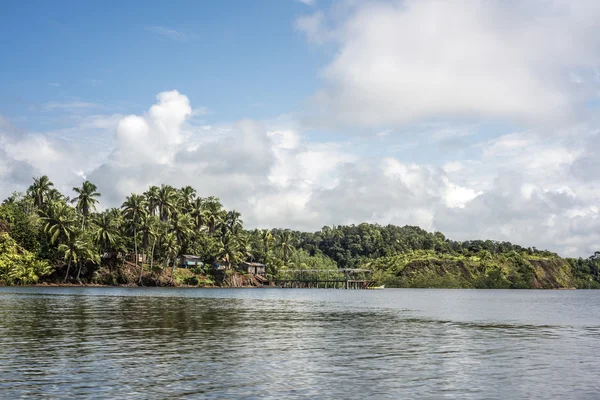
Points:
(131, 258)
(223, 265)
(253, 268)
(189, 261)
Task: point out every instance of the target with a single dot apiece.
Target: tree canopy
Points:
(48, 233)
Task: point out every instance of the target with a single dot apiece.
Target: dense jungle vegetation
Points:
(46, 236)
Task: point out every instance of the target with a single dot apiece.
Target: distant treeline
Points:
(48, 236)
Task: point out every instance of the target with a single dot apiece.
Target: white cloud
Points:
(169, 33)
(69, 106)
(536, 187)
(410, 60)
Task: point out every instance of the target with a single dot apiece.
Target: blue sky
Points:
(239, 58)
(475, 118)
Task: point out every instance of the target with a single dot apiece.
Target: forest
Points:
(47, 237)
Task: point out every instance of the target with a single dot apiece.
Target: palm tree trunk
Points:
(68, 268)
(141, 272)
(152, 255)
(79, 272)
(135, 244)
(173, 270)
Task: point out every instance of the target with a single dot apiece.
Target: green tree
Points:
(59, 221)
(152, 199)
(86, 199)
(77, 250)
(187, 196)
(148, 229)
(134, 208)
(167, 201)
(198, 213)
(286, 245)
(266, 238)
(39, 190)
(106, 231)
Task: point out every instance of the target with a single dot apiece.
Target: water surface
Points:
(285, 343)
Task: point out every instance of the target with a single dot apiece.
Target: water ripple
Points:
(121, 343)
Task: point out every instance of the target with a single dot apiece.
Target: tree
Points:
(181, 226)
(213, 213)
(198, 213)
(266, 237)
(77, 250)
(148, 229)
(229, 250)
(167, 201)
(39, 190)
(187, 195)
(106, 231)
(86, 199)
(171, 249)
(134, 208)
(59, 221)
(19, 266)
(152, 199)
(233, 221)
(286, 244)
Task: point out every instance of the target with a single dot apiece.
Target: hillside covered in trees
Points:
(47, 236)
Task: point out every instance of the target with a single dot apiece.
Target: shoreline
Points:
(97, 285)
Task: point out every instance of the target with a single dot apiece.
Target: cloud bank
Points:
(474, 118)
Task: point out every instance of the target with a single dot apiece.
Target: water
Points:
(274, 343)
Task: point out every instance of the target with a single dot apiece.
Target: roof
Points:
(190, 256)
(253, 264)
(343, 270)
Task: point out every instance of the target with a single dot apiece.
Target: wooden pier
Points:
(354, 278)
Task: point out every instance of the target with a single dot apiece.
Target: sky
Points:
(476, 118)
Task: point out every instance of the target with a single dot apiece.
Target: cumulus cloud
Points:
(268, 174)
(169, 33)
(536, 187)
(27, 154)
(401, 61)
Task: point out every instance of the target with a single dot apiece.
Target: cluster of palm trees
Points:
(161, 224)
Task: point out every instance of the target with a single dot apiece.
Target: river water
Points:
(283, 343)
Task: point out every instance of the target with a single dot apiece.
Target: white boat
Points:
(376, 287)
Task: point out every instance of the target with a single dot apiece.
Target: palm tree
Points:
(213, 213)
(198, 213)
(171, 248)
(86, 199)
(167, 201)
(266, 237)
(244, 246)
(229, 249)
(71, 251)
(77, 250)
(152, 197)
(55, 195)
(181, 226)
(233, 221)
(148, 228)
(39, 190)
(286, 244)
(134, 208)
(106, 231)
(59, 221)
(187, 195)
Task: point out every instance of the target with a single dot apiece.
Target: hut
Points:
(253, 268)
(131, 258)
(190, 261)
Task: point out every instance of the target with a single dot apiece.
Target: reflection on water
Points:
(158, 343)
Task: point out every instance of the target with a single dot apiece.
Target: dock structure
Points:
(348, 278)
